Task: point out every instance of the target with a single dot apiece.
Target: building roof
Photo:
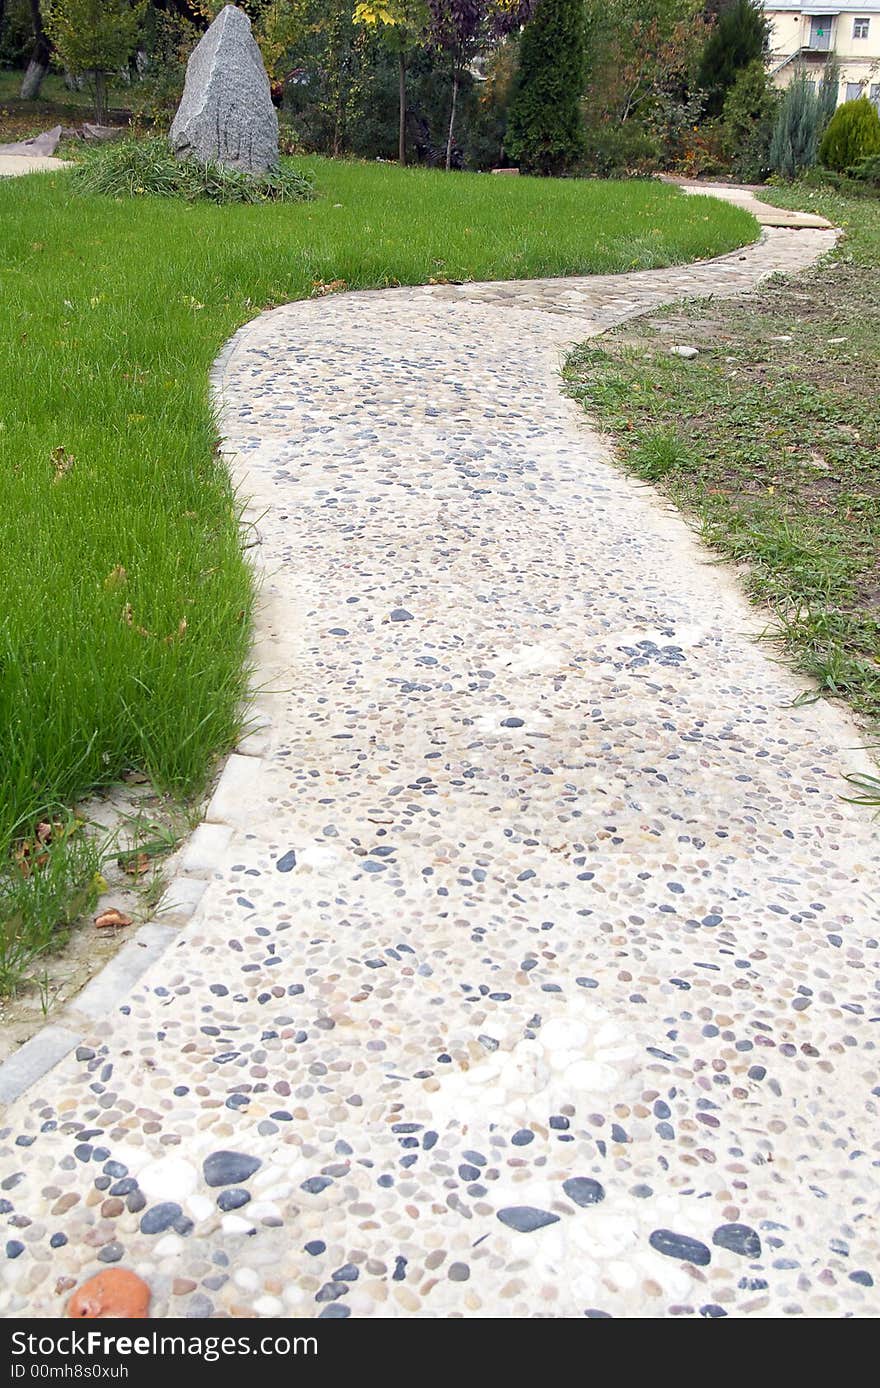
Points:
(811, 7)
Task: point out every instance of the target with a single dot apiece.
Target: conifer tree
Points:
(796, 133)
(545, 125)
(853, 134)
(740, 36)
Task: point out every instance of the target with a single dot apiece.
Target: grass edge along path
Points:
(127, 603)
(769, 441)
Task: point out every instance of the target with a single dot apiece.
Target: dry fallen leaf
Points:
(115, 578)
(62, 461)
(135, 864)
(112, 919)
(135, 778)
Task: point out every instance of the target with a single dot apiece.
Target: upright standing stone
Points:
(226, 113)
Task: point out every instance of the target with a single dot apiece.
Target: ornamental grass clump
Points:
(141, 168)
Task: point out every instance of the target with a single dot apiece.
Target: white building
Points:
(804, 37)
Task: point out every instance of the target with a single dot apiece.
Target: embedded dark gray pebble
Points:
(680, 1246)
(287, 861)
(738, 1238)
(525, 1219)
(160, 1217)
(232, 1199)
(315, 1184)
(583, 1190)
(229, 1168)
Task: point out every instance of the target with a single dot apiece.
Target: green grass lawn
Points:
(19, 120)
(52, 93)
(126, 603)
(770, 439)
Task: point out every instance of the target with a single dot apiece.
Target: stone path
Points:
(13, 165)
(536, 973)
(746, 199)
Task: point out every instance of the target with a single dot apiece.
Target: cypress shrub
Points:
(853, 134)
(796, 132)
(545, 128)
(827, 93)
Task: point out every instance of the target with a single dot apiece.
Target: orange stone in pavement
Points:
(116, 1294)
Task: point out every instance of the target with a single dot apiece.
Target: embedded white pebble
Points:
(199, 1206)
(169, 1178)
(169, 1246)
(234, 1224)
(268, 1306)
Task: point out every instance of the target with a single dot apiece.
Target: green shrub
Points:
(545, 126)
(747, 123)
(738, 40)
(169, 39)
(853, 134)
(867, 170)
(618, 151)
(796, 132)
(138, 168)
(671, 121)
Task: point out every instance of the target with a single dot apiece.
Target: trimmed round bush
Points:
(853, 134)
(140, 168)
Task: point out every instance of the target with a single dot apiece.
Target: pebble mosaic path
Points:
(536, 975)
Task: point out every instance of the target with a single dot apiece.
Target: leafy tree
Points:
(16, 33)
(853, 134)
(638, 51)
(93, 38)
(747, 122)
(404, 22)
(739, 38)
(796, 132)
(276, 23)
(458, 29)
(545, 126)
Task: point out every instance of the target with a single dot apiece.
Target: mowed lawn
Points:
(125, 602)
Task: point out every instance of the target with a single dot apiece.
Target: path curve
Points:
(535, 976)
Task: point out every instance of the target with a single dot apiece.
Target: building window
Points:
(860, 28)
(875, 94)
(853, 91)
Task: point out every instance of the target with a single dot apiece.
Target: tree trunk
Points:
(39, 61)
(401, 129)
(455, 79)
(100, 79)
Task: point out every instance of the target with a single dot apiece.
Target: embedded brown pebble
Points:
(66, 1203)
(182, 1286)
(112, 1207)
(116, 1293)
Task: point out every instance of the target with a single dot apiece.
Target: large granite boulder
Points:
(226, 113)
